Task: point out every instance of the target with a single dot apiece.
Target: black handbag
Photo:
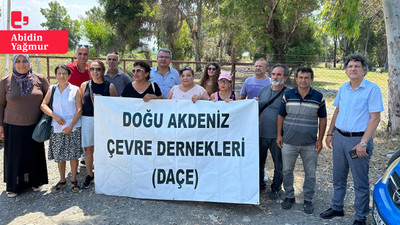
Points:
(43, 127)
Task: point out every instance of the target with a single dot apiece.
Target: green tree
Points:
(98, 31)
(130, 20)
(57, 19)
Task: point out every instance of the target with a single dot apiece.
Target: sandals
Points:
(75, 187)
(12, 194)
(36, 189)
(58, 186)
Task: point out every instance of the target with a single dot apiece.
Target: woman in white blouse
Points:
(65, 138)
(188, 89)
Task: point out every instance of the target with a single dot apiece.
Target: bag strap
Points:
(53, 89)
(152, 85)
(91, 91)
(271, 101)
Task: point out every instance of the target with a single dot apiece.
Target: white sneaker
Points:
(265, 175)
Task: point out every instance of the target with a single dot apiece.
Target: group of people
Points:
(291, 121)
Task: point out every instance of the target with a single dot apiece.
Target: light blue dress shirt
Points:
(165, 82)
(356, 105)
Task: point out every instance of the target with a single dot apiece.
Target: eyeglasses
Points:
(211, 68)
(164, 57)
(80, 45)
(98, 69)
(224, 81)
(185, 68)
(137, 70)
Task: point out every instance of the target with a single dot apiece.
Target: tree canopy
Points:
(57, 19)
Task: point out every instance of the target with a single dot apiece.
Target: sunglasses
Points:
(210, 68)
(80, 45)
(98, 69)
(185, 68)
(137, 70)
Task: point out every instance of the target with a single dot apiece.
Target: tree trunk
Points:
(334, 51)
(197, 54)
(391, 9)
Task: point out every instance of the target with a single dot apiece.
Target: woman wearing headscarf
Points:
(97, 86)
(20, 97)
(65, 137)
(210, 76)
(188, 89)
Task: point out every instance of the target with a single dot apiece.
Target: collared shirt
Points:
(300, 126)
(356, 105)
(64, 106)
(252, 86)
(77, 78)
(120, 80)
(165, 82)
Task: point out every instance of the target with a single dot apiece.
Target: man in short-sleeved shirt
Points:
(269, 101)
(356, 117)
(118, 78)
(252, 85)
(80, 68)
(302, 116)
(164, 75)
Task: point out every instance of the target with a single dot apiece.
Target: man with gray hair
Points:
(269, 101)
(80, 68)
(118, 78)
(162, 74)
(253, 85)
(354, 121)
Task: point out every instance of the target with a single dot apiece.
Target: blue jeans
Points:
(342, 161)
(309, 158)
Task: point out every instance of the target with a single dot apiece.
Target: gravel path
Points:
(87, 207)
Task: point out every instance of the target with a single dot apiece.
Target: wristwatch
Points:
(363, 144)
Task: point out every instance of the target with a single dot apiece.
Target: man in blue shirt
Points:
(162, 74)
(356, 117)
(301, 116)
(252, 85)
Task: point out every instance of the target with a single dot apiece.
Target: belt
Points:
(350, 134)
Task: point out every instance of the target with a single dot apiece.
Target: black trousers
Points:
(265, 144)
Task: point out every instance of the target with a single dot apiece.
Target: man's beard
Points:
(277, 83)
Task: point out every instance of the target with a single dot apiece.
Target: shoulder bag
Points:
(43, 127)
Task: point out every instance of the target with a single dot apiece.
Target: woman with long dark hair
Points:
(210, 77)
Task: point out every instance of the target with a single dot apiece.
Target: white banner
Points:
(177, 150)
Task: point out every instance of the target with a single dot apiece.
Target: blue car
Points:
(386, 203)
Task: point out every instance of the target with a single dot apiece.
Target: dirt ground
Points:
(86, 207)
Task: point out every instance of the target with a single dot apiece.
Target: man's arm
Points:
(329, 135)
(279, 125)
(369, 132)
(321, 133)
